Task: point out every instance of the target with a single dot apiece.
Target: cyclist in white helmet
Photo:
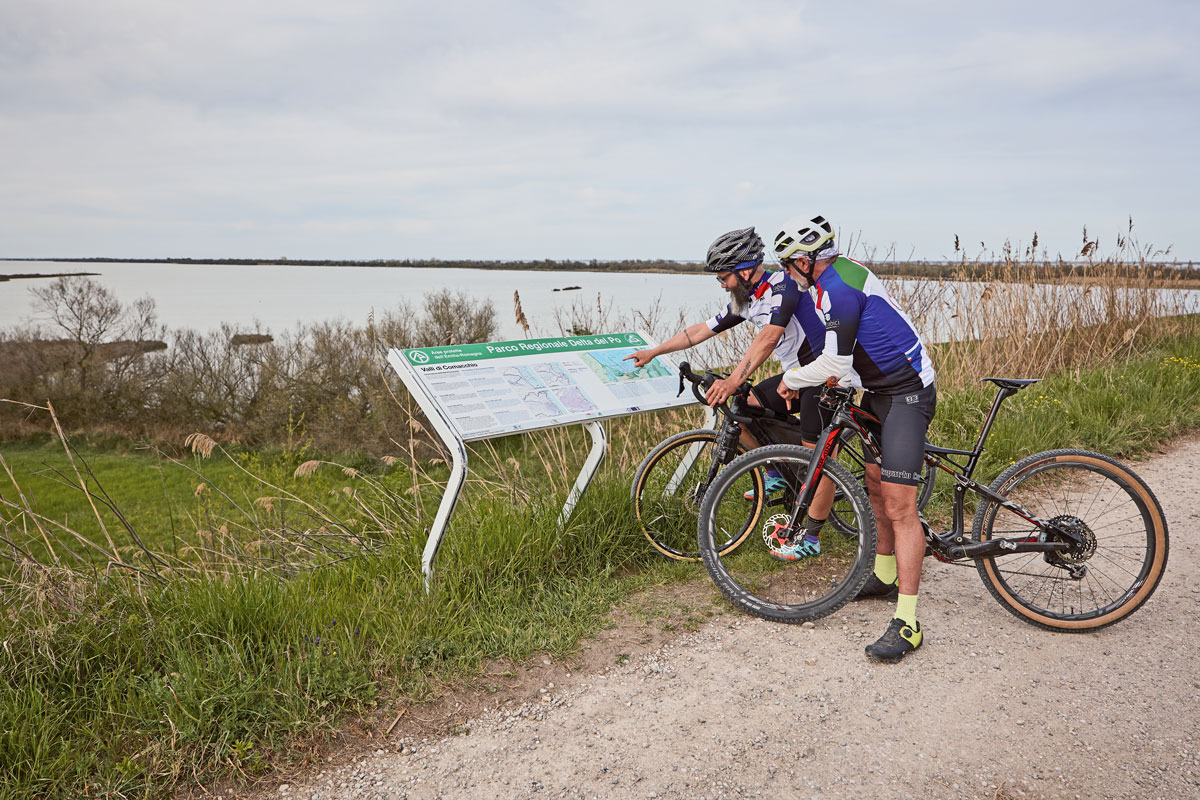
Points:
(784, 315)
(867, 333)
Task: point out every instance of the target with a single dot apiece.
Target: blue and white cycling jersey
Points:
(777, 300)
(865, 329)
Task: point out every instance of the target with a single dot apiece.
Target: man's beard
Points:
(739, 299)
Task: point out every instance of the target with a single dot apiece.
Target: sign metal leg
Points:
(458, 476)
(590, 466)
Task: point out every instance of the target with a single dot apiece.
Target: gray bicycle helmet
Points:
(740, 249)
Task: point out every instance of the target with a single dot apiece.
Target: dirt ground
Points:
(687, 700)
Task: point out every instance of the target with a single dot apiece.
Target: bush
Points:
(326, 383)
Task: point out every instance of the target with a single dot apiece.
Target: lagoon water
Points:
(276, 298)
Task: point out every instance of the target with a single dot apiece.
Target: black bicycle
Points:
(673, 478)
(1067, 540)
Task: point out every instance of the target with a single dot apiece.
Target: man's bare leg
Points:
(908, 539)
(900, 533)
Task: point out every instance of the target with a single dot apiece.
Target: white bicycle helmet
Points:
(808, 235)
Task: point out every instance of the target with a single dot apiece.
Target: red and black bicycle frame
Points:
(952, 544)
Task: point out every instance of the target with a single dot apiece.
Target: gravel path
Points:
(990, 707)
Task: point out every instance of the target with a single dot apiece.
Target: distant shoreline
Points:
(930, 270)
(23, 275)
(546, 265)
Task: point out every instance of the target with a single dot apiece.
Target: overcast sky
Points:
(592, 129)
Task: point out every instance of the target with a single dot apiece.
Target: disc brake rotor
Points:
(775, 532)
(1080, 551)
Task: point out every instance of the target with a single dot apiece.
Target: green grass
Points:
(165, 500)
(120, 686)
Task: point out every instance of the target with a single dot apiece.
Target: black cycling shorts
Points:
(904, 421)
(805, 405)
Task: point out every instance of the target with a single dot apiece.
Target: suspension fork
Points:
(724, 447)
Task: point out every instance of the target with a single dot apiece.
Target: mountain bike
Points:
(675, 475)
(1067, 540)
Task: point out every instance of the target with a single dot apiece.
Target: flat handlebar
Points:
(833, 396)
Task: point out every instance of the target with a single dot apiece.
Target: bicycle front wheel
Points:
(750, 576)
(668, 487)
(1098, 582)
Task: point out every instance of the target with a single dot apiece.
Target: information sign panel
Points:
(479, 391)
(499, 388)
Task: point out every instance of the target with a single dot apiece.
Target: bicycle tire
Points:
(666, 505)
(790, 592)
(1125, 529)
(853, 463)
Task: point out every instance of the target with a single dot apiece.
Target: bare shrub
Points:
(91, 361)
(453, 318)
(324, 384)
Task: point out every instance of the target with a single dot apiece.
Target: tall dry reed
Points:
(1020, 320)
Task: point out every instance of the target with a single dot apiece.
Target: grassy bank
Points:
(278, 607)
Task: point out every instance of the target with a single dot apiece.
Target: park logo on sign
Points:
(418, 357)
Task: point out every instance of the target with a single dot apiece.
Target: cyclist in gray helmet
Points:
(731, 251)
(773, 303)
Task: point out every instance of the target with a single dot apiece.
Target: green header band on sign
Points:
(420, 356)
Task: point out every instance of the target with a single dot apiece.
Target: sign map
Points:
(499, 388)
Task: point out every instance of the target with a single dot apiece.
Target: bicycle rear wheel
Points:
(1095, 584)
(784, 591)
(668, 487)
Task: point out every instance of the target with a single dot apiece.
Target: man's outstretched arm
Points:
(690, 336)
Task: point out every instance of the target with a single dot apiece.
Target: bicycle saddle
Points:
(1015, 384)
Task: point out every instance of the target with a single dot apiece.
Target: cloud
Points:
(589, 129)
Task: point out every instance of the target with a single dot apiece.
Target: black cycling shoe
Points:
(897, 641)
(877, 588)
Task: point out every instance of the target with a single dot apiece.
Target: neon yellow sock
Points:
(906, 609)
(885, 568)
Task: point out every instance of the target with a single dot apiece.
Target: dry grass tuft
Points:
(1029, 321)
(200, 444)
(520, 313)
(307, 468)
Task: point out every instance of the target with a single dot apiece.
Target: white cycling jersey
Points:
(777, 300)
